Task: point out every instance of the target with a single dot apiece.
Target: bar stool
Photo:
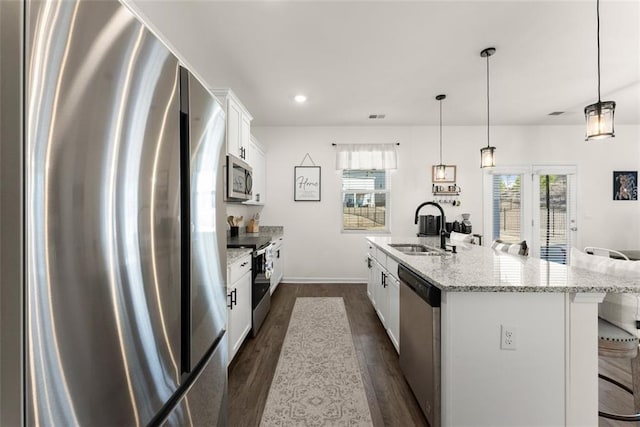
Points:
(616, 340)
(617, 343)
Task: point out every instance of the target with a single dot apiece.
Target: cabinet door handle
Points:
(384, 280)
(369, 263)
(230, 295)
(233, 299)
(278, 254)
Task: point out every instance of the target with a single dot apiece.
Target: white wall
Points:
(245, 211)
(317, 250)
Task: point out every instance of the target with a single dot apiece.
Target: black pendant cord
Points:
(440, 131)
(488, 101)
(598, 35)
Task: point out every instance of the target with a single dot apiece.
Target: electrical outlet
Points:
(508, 337)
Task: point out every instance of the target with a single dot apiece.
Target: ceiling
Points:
(356, 58)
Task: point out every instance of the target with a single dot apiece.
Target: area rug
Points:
(317, 381)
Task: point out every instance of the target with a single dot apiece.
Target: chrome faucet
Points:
(443, 232)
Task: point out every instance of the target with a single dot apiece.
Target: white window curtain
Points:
(366, 156)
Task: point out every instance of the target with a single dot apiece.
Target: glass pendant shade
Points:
(487, 157)
(599, 118)
(440, 172)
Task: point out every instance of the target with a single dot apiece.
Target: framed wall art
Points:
(625, 185)
(306, 183)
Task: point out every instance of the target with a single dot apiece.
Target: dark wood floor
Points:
(390, 399)
(250, 374)
(612, 399)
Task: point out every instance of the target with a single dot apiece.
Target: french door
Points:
(533, 203)
(554, 228)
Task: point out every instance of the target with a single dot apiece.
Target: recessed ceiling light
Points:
(300, 99)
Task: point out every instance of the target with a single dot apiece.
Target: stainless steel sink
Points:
(416, 249)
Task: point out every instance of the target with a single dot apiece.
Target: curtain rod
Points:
(334, 144)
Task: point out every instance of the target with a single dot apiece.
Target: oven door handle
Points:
(263, 250)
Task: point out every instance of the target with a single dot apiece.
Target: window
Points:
(365, 200)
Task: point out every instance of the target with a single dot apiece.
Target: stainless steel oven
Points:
(260, 284)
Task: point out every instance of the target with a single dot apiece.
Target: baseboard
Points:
(351, 280)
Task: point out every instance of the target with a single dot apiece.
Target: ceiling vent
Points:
(377, 116)
(556, 113)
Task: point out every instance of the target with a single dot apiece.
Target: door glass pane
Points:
(507, 213)
(554, 230)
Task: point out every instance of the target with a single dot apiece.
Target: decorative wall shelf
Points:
(443, 194)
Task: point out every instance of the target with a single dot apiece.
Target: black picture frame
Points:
(307, 183)
(625, 185)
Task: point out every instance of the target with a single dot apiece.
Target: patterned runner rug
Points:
(317, 381)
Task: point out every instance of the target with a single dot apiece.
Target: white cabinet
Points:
(256, 157)
(381, 294)
(393, 320)
(238, 303)
(383, 289)
(278, 264)
(238, 123)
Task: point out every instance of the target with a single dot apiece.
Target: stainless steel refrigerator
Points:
(113, 245)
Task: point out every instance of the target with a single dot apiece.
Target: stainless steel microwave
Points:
(239, 179)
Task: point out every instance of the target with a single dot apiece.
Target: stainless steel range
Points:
(260, 284)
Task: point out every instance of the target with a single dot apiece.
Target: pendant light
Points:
(599, 116)
(441, 168)
(487, 154)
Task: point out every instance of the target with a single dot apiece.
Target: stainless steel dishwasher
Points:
(420, 341)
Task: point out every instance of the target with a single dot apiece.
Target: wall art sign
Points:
(625, 185)
(306, 184)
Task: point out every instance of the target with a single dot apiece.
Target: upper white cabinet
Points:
(238, 123)
(257, 158)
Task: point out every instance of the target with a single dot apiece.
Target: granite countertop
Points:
(234, 254)
(255, 240)
(482, 269)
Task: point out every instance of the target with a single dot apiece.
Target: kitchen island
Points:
(550, 377)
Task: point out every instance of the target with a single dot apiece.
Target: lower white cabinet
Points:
(393, 319)
(383, 289)
(238, 303)
(278, 264)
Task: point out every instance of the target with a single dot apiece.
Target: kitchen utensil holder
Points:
(234, 231)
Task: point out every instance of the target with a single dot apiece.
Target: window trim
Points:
(387, 191)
